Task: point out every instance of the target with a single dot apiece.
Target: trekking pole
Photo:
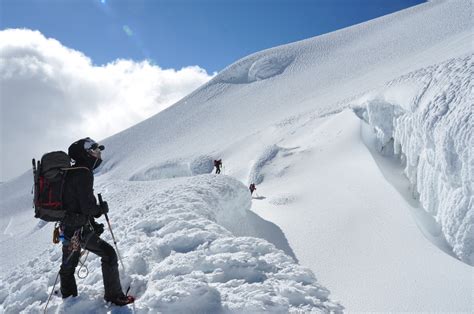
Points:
(55, 282)
(51, 294)
(111, 232)
(113, 238)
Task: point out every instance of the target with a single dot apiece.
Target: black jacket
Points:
(78, 197)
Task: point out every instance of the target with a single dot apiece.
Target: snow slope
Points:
(326, 197)
(323, 74)
(179, 257)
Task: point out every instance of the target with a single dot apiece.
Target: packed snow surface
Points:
(178, 256)
(355, 203)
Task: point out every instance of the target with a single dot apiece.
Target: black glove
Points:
(98, 229)
(104, 207)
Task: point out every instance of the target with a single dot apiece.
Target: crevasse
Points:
(426, 118)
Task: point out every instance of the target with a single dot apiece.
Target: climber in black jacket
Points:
(79, 227)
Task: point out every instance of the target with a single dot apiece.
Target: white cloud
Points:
(51, 96)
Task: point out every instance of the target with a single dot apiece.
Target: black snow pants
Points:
(110, 273)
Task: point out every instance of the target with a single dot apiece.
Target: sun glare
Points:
(127, 30)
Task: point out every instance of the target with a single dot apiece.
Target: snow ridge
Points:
(256, 67)
(268, 154)
(178, 258)
(174, 168)
(426, 118)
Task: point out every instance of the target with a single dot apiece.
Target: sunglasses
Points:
(96, 146)
(93, 148)
(91, 145)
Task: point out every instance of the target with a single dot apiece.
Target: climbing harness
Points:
(75, 243)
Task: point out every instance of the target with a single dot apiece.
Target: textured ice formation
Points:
(426, 117)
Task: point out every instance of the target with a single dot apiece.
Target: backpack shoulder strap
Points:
(74, 168)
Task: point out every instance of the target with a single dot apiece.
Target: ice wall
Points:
(426, 117)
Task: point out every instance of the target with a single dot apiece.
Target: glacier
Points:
(426, 118)
(335, 227)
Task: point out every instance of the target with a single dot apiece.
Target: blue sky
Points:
(178, 33)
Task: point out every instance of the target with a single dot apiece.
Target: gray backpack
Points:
(49, 175)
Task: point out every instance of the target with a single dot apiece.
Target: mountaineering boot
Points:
(121, 300)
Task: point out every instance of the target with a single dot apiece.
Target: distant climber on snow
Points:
(218, 165)
(252, 188)
(79, 227)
